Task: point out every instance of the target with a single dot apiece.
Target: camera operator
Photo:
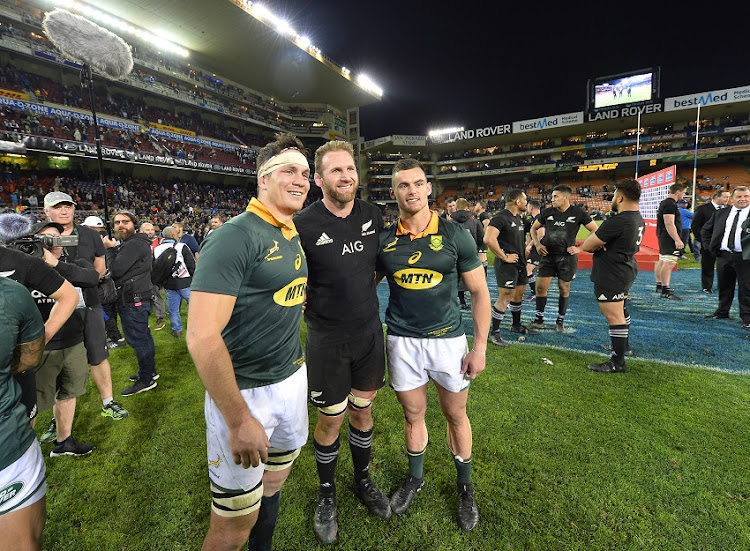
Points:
(131, 269)
(34, 274)
(63, 373)
(61, 208)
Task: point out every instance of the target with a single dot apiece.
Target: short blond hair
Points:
(329, 147)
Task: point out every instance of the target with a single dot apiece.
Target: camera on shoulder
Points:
(34, 245)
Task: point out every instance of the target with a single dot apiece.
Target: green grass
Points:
(563, 459)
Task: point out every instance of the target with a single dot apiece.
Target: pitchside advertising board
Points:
(654, 189)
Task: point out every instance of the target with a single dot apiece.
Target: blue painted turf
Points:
(661, 330)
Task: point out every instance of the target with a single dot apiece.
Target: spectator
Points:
(177, 287)
(131, 270)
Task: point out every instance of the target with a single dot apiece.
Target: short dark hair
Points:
(405, 164)
(284, 140)
(513, 195)
(629, 188)
(562, 188)
(129, 214)
(718, 192)
(677, 186)
(535, 203)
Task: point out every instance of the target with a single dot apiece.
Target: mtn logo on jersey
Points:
(292, 294)
(323, 240)
(417, 278)
(366, 229)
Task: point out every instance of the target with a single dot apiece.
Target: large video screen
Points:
(623, 89)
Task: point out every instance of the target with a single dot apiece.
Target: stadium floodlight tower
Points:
(97, 48)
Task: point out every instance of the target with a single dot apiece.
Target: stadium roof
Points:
(230, 42)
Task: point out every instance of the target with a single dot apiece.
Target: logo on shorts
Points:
(291, 294)
(274, 249)
(10, 491)
(323, 240)
(436, 242)
(215, 463)
(415, 257)
(510, 283)
(602, 297)
(417, 278)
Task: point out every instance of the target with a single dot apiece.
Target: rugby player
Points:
(22, 471)
(614, 245)
(423, 255)
(558, 248)
(506, 238)
(532, 256)
(668, 224)
(345, 353)
(244, 337)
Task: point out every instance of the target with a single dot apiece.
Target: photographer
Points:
(63, 373)
(131, 269)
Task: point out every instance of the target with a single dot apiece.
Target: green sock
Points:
(463, 469)
(416, 463)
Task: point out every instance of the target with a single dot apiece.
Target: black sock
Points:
(497, 318)
(562, 307)
(262, 533)
(532, 286)
(515, 311)
(360, 444)
(665, 289)
(541, 304)
(326, 458)
(627, 322)
(618, 334)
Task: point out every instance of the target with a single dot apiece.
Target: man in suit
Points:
(724, 232)
(702, 215)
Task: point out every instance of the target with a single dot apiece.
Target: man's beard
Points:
(122, 235)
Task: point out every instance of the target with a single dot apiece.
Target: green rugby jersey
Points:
(422, 273)
(20, 323)
(257, 259)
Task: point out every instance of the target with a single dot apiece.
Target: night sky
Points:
(482, 66)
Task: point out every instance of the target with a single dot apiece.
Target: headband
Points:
(286, 157)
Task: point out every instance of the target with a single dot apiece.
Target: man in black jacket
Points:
(471, 224)
(702, 215)
(131, 270)
(724, 232)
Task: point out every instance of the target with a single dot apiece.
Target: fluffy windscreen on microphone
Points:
(80, 39)
(13, 226)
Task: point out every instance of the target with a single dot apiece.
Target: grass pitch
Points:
(564, 459)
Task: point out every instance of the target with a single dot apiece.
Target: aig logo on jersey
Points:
(352, 247)
(366, 229)
(292, 294)
(417, 278)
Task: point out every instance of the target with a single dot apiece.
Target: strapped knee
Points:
(333, 410)
(228, 503)
(358, 402)
(278, 460)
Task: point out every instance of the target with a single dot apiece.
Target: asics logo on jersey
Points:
(274, 249)
(323, 240)
(415, 257)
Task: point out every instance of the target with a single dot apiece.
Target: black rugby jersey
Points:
(615, 265)
(341, 254)
(512, 236)
(561, 228)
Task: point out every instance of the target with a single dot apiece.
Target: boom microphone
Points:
(13, 226)
(80, 39)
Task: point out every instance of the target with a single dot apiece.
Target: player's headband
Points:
(286, 157)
